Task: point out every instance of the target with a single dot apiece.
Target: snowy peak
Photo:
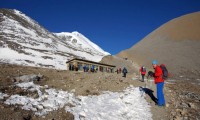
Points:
(23, 41)
(78, 40)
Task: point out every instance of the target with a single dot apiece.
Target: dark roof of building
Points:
(90, 62)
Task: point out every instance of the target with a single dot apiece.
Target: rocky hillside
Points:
(23, 41)
(176, 44)
(131, 66)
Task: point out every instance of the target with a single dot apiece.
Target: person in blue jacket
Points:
(124, 71)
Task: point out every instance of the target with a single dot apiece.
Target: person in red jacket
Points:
(159, 83)
(143, 72)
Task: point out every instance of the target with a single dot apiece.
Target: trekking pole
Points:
(151, 84)
(146, 81)
(139, 75)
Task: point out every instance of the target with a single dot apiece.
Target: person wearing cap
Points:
(159, 83)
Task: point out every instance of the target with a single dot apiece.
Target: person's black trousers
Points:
(143, 77)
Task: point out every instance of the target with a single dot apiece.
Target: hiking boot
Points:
(161, 106)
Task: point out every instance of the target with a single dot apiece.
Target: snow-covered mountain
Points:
(23, 41)
(78, 40)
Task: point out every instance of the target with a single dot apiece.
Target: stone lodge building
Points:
(86, 66)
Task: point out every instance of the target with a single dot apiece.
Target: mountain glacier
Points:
(24, 42)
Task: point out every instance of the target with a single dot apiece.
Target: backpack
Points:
(164, 71)
(143, 69)
(125, 70)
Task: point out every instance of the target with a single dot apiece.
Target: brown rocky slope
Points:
(176, 43)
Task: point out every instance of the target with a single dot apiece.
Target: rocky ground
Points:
(184, 100)
(182, 96)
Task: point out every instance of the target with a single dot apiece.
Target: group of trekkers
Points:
(73, 67)
(160, 74)
(89, 68)
(124, 71)
(85, 68)
(92, 69)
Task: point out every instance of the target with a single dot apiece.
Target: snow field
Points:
(126, 105)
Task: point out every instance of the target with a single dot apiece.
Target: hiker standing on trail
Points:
(120, 70)
(143, 72)
(159, 81)
(117, 71)
(124, 72)
(84, 68)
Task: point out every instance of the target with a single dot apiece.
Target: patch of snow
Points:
(30, 86)
(47, 101)
(58, 61)
(19, 58)
(2, 95)
(109, 105)
(128, 105)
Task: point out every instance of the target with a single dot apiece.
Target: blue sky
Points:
(114, 25)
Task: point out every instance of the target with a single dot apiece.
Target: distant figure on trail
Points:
(95, 69)
(72, 67)
(120, 70)
(75, 68)
(143, 72)
(84, 68)
(159, 81)
(92, 68)
(124, 72)
(117, 71)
